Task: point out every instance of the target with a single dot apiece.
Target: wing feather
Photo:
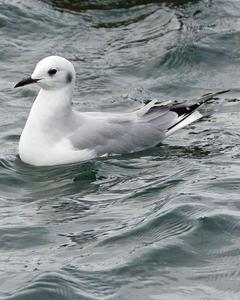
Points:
(107, 133)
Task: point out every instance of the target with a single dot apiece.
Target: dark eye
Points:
(51, 72)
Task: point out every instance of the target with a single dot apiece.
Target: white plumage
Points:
(56, 134)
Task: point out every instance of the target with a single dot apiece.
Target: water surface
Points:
(160, 224)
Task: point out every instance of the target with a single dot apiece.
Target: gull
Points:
(56, 134)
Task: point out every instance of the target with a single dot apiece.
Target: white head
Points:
(52, 72)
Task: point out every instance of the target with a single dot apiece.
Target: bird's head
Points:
(52, 72)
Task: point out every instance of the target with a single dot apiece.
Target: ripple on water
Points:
(47, 286)
(159, 224)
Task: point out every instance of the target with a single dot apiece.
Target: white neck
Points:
(52, 103)
(49, 117)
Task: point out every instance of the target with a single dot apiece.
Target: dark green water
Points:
(161, 224)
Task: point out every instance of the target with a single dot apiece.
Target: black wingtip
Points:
(223, 92)
(215, 94)
(183, 109)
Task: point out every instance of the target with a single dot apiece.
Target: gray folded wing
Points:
(122, 133)
(107, 133)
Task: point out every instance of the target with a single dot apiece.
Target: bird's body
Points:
(56, 134)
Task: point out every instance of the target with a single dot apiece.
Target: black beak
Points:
(25, 81)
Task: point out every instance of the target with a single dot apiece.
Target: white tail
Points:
(196, 115)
